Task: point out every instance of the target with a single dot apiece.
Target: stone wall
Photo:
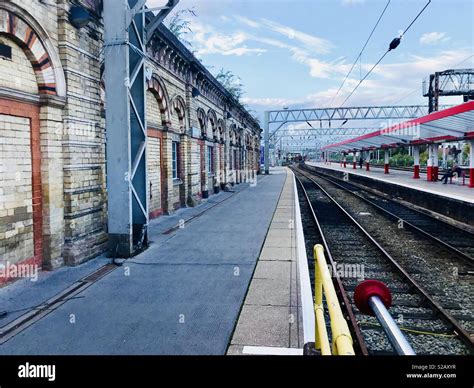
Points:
(52, 133)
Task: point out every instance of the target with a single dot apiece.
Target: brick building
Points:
(53, 193)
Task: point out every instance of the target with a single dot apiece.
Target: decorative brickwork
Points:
(21, 239)
(52, 113)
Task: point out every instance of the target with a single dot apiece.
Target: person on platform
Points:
(455, 170)
(361, 162)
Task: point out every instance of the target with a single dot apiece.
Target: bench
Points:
(462, 175)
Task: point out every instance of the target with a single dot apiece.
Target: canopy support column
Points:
(429, 162)
(471, 164)
(435, 163)
(354, 160)
(367, 162)
(387, 162)
(416, 159)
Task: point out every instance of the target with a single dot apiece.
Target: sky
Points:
(297, 53)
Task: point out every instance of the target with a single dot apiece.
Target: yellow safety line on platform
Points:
(341, 336)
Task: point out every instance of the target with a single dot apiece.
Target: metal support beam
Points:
(458, 82)
(299, 137)
(350, 113)
(126, 124)
(158, 19)
(118, 128)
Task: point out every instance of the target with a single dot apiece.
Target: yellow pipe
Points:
(342, 340)
(321, 335)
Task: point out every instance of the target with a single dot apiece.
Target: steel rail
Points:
(461, 255)
(340, 287)
(449, 319)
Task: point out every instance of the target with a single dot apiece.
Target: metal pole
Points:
(138, 128)
(431, 94)
(266, 135)
(125, 42)
(281, 152)
(396, 337)
(119, 165)
(341, 336)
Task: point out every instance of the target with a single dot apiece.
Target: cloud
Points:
(270, 103)
(389, 84)
(207, 41)
(418, 66)
(434, 38)
(248, 22)
(300, 45)
(319, 68)
(310, 42)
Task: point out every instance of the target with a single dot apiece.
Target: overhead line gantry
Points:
(285, 116)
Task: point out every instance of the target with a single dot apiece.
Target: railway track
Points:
(460, 242)
(356, 255)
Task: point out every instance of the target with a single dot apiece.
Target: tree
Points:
(231, 83)
(179, 26)
(466, 150)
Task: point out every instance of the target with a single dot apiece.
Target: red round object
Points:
(367, 289)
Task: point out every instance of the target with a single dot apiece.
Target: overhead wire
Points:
(361, 51)
(393, 45)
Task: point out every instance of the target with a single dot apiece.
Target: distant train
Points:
(291, 158)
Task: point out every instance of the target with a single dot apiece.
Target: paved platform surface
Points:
(271, 319)
(405, 178)
(181, 296)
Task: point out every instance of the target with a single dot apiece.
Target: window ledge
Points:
(177, 182)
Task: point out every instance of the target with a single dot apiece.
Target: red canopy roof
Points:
(451, 124)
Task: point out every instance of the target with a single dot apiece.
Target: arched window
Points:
(158, 89)
(202, 121)
(212, 119)
(30, 37)
(179, 109)
(221, 130)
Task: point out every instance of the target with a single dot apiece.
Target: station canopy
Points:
(451, 124)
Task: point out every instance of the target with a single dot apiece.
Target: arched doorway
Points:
(178, 121)
(202, 121)
(30, 73)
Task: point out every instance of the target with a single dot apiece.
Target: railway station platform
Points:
(271, 320)
(452, 200)
(183, 295)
